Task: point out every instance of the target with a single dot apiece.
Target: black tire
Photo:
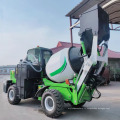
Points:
(79, 105)
(13, 92)
(57, 103)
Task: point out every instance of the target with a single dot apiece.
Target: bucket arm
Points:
(92, 60)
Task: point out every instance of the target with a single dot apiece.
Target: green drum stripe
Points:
(60, 69)
(83, 47)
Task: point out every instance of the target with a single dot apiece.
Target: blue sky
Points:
(24, 24)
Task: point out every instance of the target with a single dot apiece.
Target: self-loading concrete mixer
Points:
(70, 75)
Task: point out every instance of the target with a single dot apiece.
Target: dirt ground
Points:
(105, 108)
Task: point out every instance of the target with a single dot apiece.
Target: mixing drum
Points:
(64, 64)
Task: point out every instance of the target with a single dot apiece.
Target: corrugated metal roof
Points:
(112, 7)
(57, 49)
(62, 45)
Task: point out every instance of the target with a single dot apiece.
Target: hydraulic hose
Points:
(99, 94)
(30, 64)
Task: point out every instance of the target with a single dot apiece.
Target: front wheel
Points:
(52, 103)
(13, 95)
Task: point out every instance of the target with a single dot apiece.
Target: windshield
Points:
(34, 56)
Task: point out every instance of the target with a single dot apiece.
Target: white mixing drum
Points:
(64, 64)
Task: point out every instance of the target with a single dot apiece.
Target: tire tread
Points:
(59, 102)
(16, 99)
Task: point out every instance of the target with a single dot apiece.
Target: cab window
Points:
(34, 56)
(46, 56)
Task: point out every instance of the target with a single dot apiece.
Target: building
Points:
(5, 70)
(113, 57)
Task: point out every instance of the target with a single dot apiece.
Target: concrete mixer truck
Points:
(71, 75)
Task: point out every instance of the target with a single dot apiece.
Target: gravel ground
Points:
(105, 108)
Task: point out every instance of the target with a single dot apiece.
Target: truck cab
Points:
(29, 72)
(39, 56)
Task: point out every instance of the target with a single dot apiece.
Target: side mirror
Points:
(21, 60)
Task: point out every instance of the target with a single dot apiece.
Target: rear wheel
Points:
(13, 95)
(52, 103)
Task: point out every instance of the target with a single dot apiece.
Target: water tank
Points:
(64, 64)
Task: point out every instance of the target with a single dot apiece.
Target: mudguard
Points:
(6, 85)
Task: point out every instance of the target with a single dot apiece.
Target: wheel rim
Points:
(11, 95)
(49, 103)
